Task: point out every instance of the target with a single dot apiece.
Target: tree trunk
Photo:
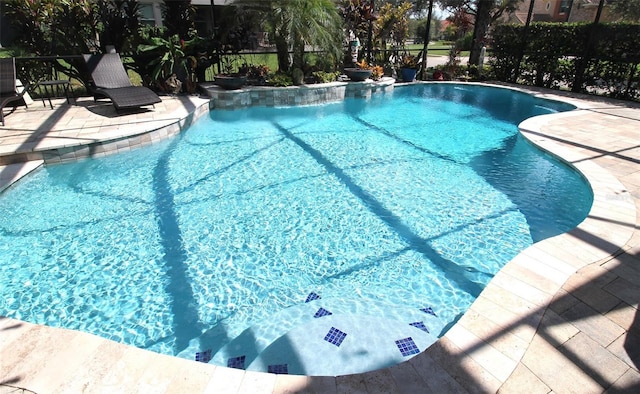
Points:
(483, 20)
(282, 47)
(298, 52)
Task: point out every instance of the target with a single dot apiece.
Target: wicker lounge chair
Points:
(9, 92)
(110, 80)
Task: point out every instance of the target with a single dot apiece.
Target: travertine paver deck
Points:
(561, 317)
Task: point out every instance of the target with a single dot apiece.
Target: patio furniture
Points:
(55, 85)
(110, 80)
(9, 92)
(55, 82)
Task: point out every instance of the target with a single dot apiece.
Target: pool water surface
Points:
(262, 237)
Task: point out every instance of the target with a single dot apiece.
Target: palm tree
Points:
(297, 23)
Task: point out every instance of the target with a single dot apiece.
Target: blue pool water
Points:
(261, 238)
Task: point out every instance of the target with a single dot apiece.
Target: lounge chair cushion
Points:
(130, 96)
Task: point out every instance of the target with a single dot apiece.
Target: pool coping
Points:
(529, 283)
(513, 304)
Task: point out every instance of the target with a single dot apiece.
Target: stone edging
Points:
(294, 95)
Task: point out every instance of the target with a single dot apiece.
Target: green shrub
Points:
(464, 43)
(280, 79)
(596, 58)
(325, 77)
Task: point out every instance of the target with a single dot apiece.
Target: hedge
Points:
(595, 58)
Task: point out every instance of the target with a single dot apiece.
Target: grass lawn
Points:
(268, 59)
(438, 48)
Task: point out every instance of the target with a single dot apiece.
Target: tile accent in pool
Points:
(407, 347)
(312, 296)
(322, 312)
(335, 336)
(204, 357)
(429, 311)
(236, 362)
(420, 325)
(281, 369)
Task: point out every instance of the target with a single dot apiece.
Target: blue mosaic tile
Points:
(236, 362)
(322, 312)
(428, 310)
(407, 347)
(312, 296)
(335, 336)
(204, 357)
(420, 325)
(278, 368)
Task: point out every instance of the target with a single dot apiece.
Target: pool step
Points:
(332, 337)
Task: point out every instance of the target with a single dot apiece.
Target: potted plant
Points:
(230, 82)
(228, 79)
(408, 67)
(361, 72)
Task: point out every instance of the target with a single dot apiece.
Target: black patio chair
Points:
(110, 80)
(9, 92)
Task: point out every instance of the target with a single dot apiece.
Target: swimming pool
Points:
(190, 247)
